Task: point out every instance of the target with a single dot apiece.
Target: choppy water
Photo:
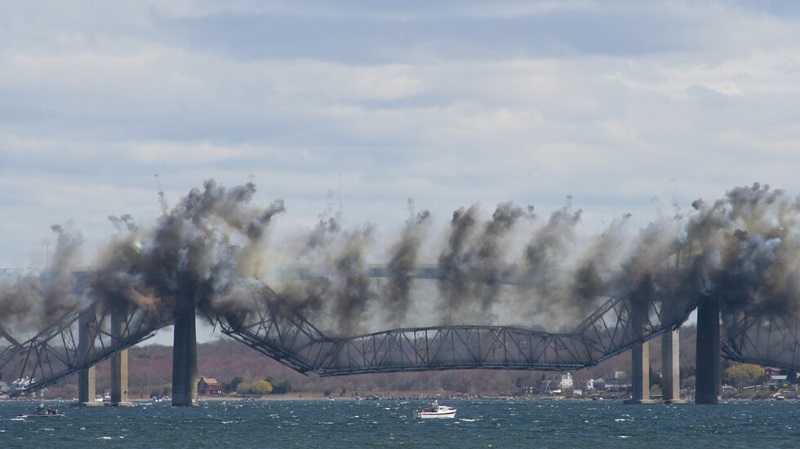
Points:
(391, 423)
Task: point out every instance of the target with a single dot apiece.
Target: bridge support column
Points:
(184, 355)
(86, 377)
(708, 363)
(119, 361)
(640, 356)
(640, 374)
(670, 365)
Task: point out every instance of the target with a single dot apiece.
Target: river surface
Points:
(392, 423)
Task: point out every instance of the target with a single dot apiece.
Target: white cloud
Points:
(450, 103)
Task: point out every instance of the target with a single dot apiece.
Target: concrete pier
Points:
(119, 361)
(87, 332)
(708, 363)
(670, 380)
(86, 377)
(670, 365)
(640, 374)
(670, 360)
(184, 356)
(640, 356)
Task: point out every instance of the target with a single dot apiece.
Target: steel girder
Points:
(614, 328)
(619, 324)
(78, 341)
(767, 339)
(9, 349)
(622, 323)
(450, 347)
(273, 328)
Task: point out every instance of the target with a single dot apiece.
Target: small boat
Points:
(437, 411)
(42, 412)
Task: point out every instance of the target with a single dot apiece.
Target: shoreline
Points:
(398, 397)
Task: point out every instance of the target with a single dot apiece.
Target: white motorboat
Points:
(42, 412)
(437, 411)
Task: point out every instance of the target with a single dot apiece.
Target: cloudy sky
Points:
(624, 106)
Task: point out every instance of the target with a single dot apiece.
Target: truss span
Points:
(80, 340)
(766, 339)
(282, 334)
(271, 327)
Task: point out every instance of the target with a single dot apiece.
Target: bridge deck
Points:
(276, 331)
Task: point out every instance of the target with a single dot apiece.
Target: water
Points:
(391, 424)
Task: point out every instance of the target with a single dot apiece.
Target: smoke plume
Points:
(212, 250)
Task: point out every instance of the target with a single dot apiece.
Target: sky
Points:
(353, 108)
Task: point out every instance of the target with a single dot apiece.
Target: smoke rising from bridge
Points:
(213, 249)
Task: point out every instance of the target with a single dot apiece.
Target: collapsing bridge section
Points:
(767, 339)
(76, 343)
(82, 339)
(450, 347)
(271, 327)
(274, 329)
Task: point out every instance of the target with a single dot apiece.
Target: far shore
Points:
(270, 397)
(781, 395)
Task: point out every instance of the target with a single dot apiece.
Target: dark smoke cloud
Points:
(543, 273)
(352, 292)
(475, 263)
(194, 255)
(36, 301)
(402, 263)
(335, 287)
(309, 291)
(209, 251)
(492, 266)
(20, 297)
(453, 262)
(749, 241)
(123, 223)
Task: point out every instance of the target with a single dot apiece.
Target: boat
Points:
(437, 411)
(42, 412)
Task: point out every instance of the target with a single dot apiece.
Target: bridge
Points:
(625, 321)
(735, 262)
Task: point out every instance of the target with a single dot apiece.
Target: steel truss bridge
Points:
(62, 349)
(84, 338)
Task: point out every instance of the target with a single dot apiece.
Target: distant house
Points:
(777, 381)
(566, 382)
(774, 378)
(619, 382)
(557, 384)
(208, 386)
